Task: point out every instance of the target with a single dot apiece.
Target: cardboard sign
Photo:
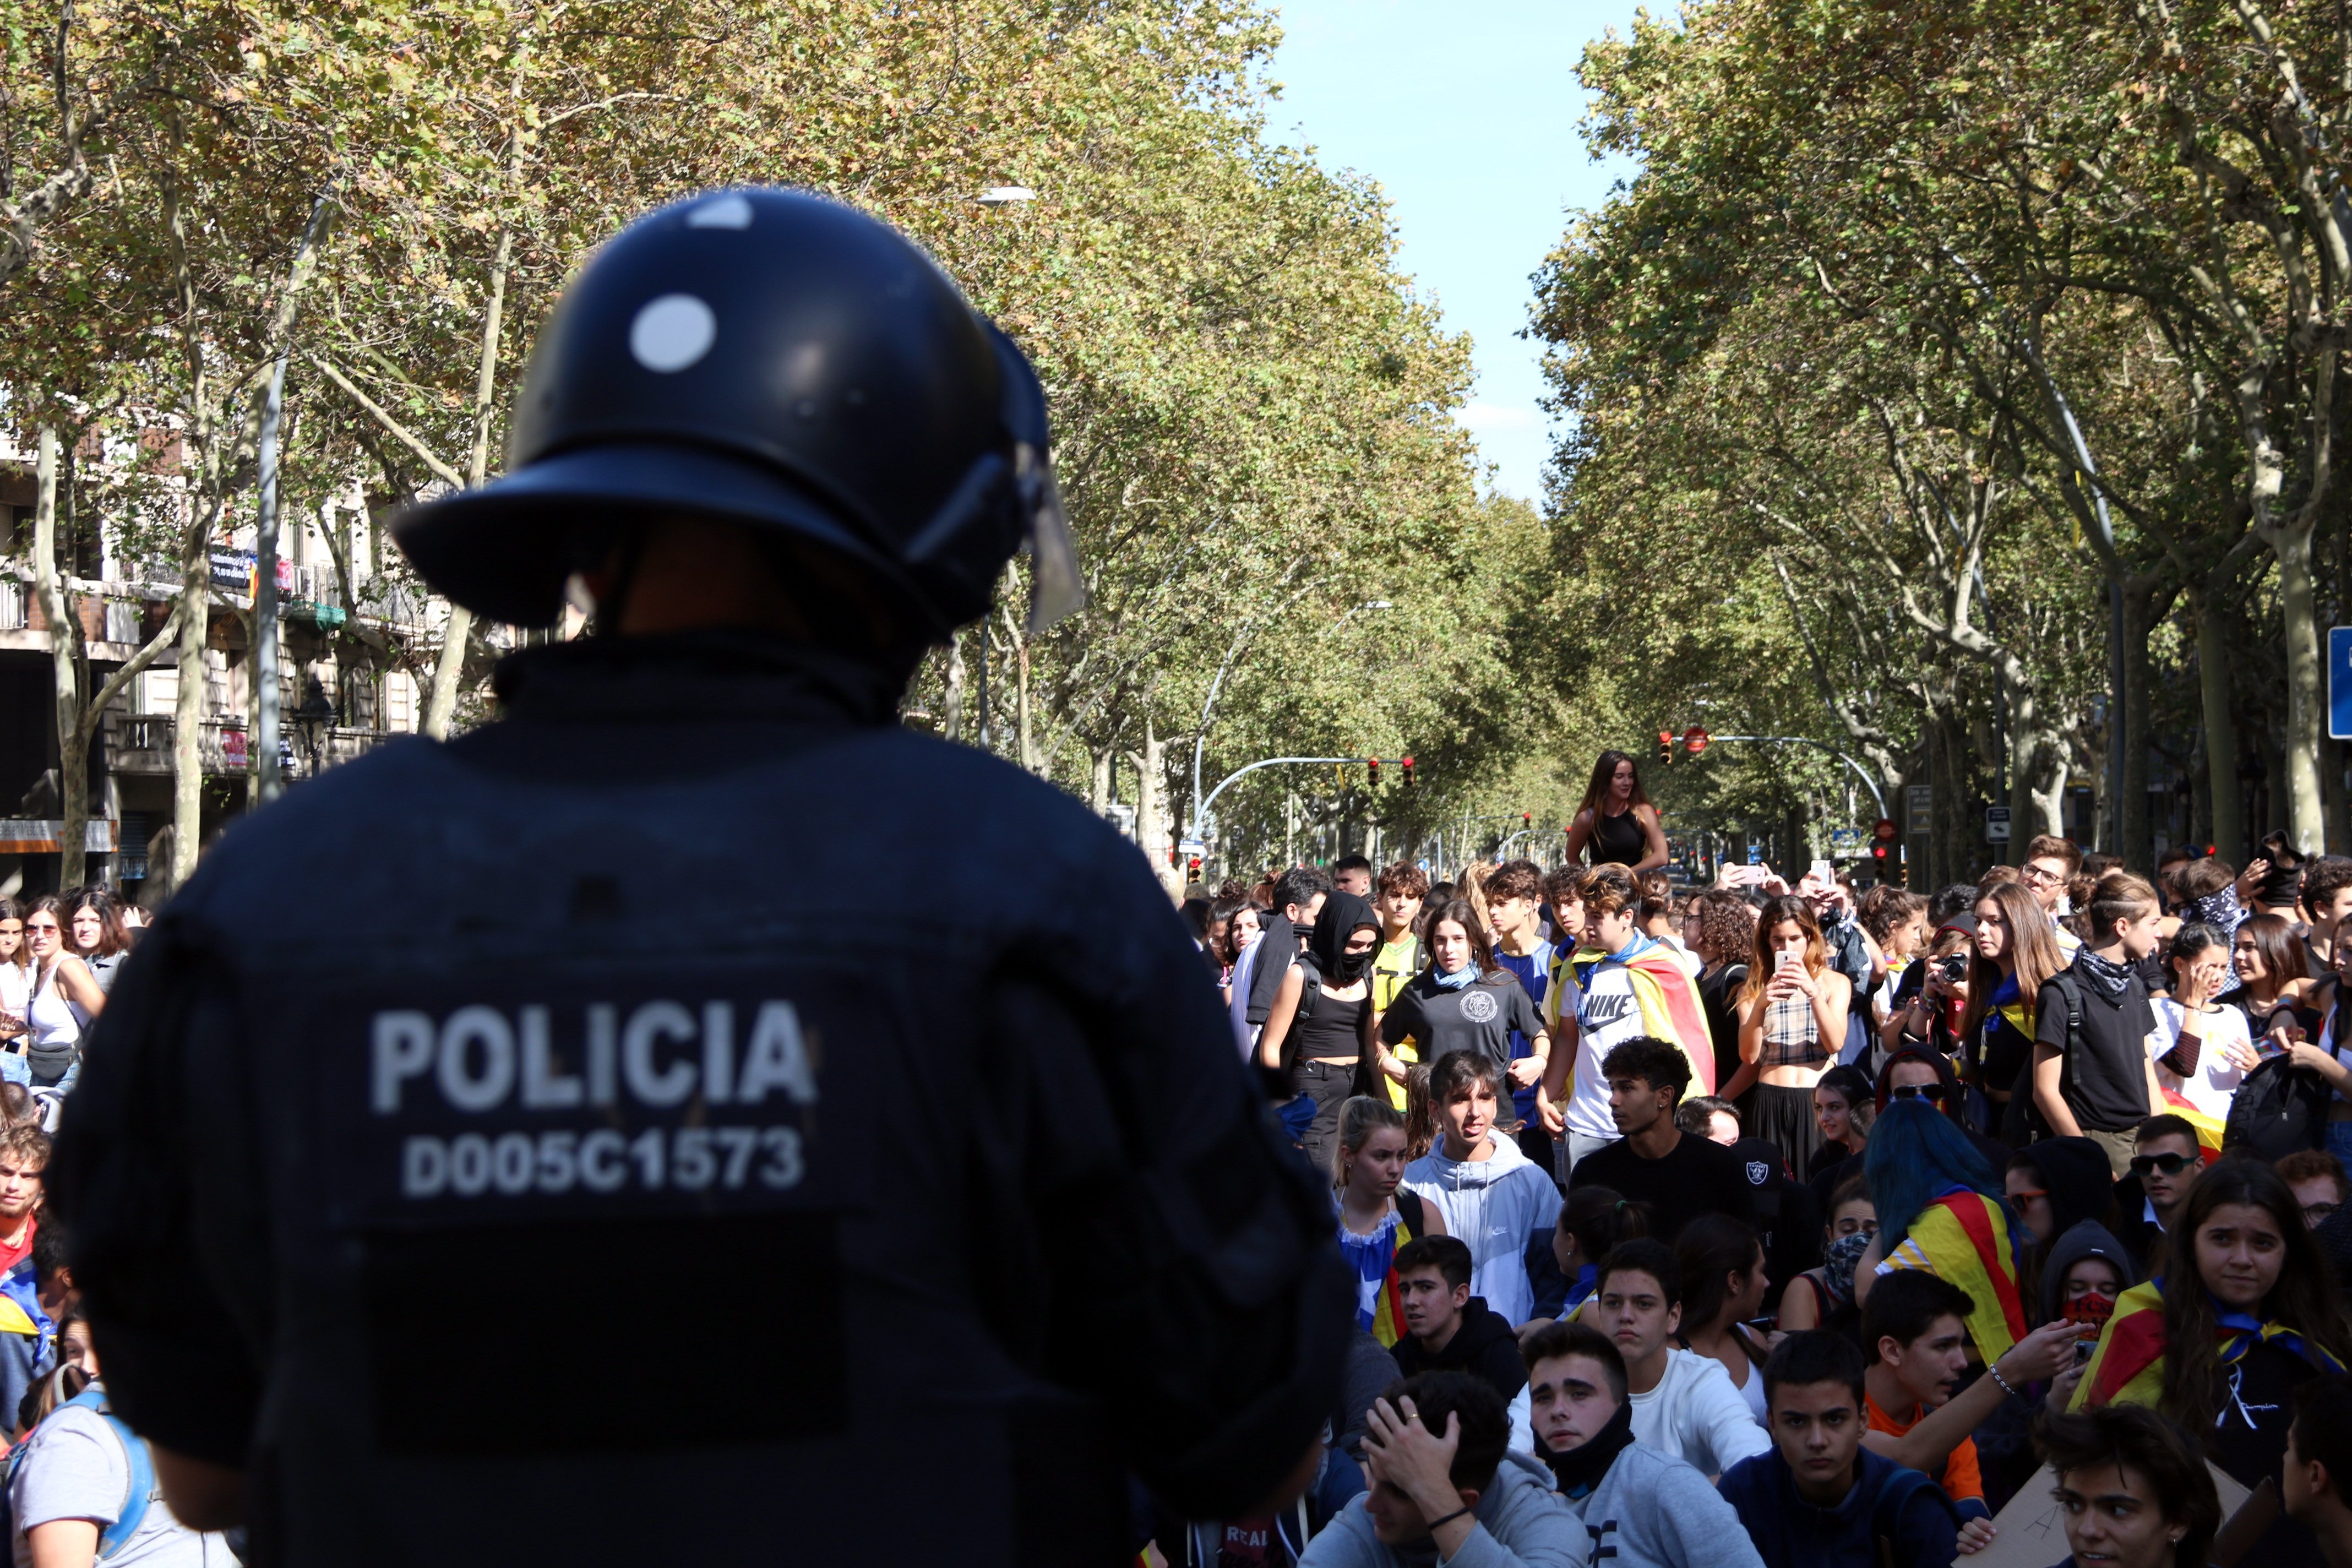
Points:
(2033, 1527)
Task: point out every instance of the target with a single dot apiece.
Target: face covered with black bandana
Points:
(1346, 935)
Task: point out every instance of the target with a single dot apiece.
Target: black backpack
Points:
(2278, 1108)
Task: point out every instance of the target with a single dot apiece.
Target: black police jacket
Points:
(692, 1120)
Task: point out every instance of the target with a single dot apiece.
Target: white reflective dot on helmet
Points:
(730, 210)
(671, 332)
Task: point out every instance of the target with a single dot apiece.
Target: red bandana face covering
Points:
(2093, 1308)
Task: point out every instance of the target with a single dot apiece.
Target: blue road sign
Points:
(2339, 683)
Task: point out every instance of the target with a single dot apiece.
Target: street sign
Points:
(1996, 825)
(1695, 740)
(1846, 840)
(1920, 808)
(2339, 683)
(1883, 828)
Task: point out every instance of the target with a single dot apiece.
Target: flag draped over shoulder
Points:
(1962, 1239)
(2128, 1366)
(1388, 1314)
(2208, 1126)
(1671, 1011)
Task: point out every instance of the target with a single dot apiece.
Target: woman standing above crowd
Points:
(1792, 1014)
(1616, 821)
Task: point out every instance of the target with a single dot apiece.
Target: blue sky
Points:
(1466, 114)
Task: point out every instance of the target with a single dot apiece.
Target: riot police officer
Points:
(693, 1118)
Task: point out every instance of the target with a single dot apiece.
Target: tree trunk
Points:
(188, 707)
(1150, 795)
(1098, 781)
(65, 646)
(1028, 747)
(444, 702)
(2213, 653)
(2025, 742)
(951, 705)
(2306, 825)
(2134, 841)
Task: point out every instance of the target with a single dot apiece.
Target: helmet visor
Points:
(1055, 589)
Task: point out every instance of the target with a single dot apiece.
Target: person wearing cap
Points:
(1007, 1174)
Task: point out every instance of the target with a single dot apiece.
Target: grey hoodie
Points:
(1521, 1523)
(1652, 1510)
(1494, 1206)
(2085, 1238)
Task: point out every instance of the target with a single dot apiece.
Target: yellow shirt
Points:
(1393, 968)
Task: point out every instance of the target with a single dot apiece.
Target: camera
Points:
(1953, 967)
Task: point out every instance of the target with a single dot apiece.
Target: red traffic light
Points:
(1374, 763)
(1526, 819)
(1665, 747)
(1878, 851)
(1408, 773)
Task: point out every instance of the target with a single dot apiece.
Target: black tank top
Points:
(1331, 1029)
(1617, 840)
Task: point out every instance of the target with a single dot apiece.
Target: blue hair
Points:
(1915, 1154)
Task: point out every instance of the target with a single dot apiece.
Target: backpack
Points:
(1887, 1515)
(136, 1495)
(2277, 1110)
(2021, 1120)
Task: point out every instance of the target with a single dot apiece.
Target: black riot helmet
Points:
(779, 358)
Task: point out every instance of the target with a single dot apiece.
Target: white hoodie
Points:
(1494, 1207)
(1695, 1415)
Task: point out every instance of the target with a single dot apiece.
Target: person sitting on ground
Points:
(1939, 1212)
(2166, 1164)
(1445, 1486)
(84, 1489)
(2316, 1178)
(1639, 1505)
(1915, 1344)
(1483, 1189)
(1818, 1497)
(2133, 1490)
(2245, 1312)
(1592, 1222)
(1724, 1288)
(1449, 1329)
(1710, 1117)
(2316, 1486)
(1823, 1296)
(1655, 1161)
(1684, 1402)
(1376, 1217)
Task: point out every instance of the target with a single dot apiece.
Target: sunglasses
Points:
(2171, 1164)
(1932, 1093)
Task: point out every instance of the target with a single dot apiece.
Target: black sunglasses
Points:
(2171, 1164)
(1932, 1093)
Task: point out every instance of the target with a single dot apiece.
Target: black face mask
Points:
(1344, 914)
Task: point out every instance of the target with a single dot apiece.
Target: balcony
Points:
(141, 743)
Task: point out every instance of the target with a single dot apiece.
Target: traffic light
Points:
(1408, 773)
(1193, 868)
(1666, 748)
(1879, 853)
(1374, 763)
(1526, 819)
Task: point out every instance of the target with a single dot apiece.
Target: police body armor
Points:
(695, 1121)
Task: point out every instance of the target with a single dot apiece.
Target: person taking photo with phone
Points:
(1792, 1018)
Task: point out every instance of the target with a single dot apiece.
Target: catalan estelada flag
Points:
(1388, 1317)
(1962, 1239)
(2128, 1366)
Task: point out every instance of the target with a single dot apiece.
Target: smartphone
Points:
(1823, 871)
(1782, 960)
(2083, 1350)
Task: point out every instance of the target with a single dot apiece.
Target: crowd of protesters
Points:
(80, 1486)
(1804, 1224)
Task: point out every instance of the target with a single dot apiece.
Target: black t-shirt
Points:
(1479, 1017)
(1693, 1178)
(1718, 996)
(2104, 1075)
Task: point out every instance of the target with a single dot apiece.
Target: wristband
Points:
(1449, 1519)
(1993, 1369)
